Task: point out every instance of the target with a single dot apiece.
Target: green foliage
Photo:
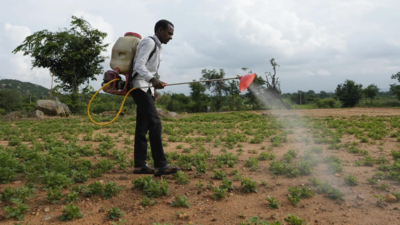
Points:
(249, 185)
(226, 184)
(70, 212)
(220, 193)
(181, 178)
(55, 180)
(219, 174)
(114, 213)
(80, 47)
(326, 103)
(266, 156)
(252, 163)
(147, 201)
(349, 93)
(17, 211)
(255, 221)
(294, 220)
(180, 201)
(111, 189)
(296, 194)
(54, 195)
(350, 180)
(273, 203)
(150, 187)
(10, 166)
(17, 194)
(71, 197)
(371, 91)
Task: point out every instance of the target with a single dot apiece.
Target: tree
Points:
(394, 88)
(275, 84)
(232, 90)
(371, 91)
(216, 87)
(349, 93)
(72, 55)
(198, 96)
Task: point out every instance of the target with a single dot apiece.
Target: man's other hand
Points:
(157, 84)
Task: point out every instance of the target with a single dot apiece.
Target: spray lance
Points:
(244, 82)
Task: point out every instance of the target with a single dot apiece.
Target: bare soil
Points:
(359, 206)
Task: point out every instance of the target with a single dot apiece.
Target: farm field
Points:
(319, 166)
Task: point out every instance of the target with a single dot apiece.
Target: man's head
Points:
(164, 30)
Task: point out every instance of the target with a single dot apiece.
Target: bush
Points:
(326, 103)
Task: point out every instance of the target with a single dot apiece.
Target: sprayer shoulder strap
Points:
(151, 54)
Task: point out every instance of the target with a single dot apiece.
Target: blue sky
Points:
(318, 44)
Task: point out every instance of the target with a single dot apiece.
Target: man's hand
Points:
(157, 84)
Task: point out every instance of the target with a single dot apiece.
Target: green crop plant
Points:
(252, 163)
(294, 220)
(18, 211)
(273, 203)
(220, 193)
(71, 197)
(114, 213)
(54, 195)
(147, 201)
(219, 175)
(180, 201)
(181, 178)
(266, 156)
(305, 168)
(111, 189)
(335, 167)
(151, 187)
(256, 221)
(70, 212)
(54, 180)
(395, 154)
(350, 180)
(95, 188)
(180, 146)
(226, 184)
(249, 185)
(19, 194)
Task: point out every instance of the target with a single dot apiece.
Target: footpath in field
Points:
(282, 167)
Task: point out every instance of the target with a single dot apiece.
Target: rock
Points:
(49, 217)
(390, 198)
(39, 114)
(47, 209)
(52, 108)
(337, 175)
(360, 197)
(183, 216)
(173, 114)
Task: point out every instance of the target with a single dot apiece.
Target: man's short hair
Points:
(163, 24)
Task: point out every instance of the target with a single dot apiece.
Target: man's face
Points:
(165, 35)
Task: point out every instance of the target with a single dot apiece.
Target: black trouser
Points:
(147, 120)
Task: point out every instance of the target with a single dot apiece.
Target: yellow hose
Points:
(120, 109)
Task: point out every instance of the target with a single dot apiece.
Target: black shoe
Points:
(166, 171)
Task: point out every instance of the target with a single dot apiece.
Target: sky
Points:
(318, 44)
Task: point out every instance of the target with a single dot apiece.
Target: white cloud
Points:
(16, 33)
(323, 72)
(308, 73)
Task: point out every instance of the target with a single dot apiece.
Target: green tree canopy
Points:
(371, 91)
(72, 55)
(349, 93)
(394, 88)
(216, 87)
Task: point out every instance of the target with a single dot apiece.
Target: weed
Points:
(180, 201)
(273, 203)
(70, 212)
(114, 213)
(350, 180)
(249, 185)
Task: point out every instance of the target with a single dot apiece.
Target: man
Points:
(145, 69)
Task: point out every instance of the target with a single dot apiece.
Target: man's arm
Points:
(147, 46)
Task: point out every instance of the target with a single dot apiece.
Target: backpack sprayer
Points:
(122, 56)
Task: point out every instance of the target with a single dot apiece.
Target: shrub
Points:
(70, 212)
(326, 103)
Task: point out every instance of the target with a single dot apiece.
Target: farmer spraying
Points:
(145, 67)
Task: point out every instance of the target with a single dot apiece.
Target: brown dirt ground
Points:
(358, 208)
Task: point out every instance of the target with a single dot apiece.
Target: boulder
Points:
(52, 108)
(39, 114)
(173, 114)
